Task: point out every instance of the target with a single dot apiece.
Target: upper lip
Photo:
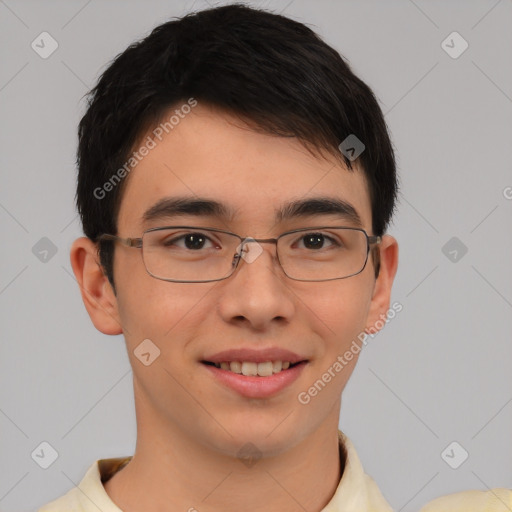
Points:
(255, 356)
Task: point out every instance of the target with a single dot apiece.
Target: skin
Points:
(190, 428)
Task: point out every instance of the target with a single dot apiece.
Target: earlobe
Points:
(97, 293)
(381, 296)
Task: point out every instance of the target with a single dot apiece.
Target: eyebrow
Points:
(204, 207)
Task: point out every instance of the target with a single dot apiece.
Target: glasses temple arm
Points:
(129, 242)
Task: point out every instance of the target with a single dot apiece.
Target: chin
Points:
(266, 435)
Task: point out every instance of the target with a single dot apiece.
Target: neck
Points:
(171, 471)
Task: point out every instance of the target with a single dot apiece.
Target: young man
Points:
(235, 185)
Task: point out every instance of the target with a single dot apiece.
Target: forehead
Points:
(212, 165)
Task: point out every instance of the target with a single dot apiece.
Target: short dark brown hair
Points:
(273, 72)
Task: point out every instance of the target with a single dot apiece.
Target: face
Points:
(213, 156)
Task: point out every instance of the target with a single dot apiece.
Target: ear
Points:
(97, 293)
(388, 250)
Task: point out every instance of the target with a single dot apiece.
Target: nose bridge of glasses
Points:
(250, 255)
(258, 241)
(248, 239)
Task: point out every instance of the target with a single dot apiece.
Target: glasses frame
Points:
(137, 243)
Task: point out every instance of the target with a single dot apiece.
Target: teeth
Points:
(265, 369)
(251, 369)
(235, 367)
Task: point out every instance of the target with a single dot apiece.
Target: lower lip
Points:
(257, 387)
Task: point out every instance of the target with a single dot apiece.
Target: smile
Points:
(255, 380)
(252, 369)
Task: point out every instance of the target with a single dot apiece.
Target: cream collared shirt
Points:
(356, 492)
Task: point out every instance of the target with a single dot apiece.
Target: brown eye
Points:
(191, 241)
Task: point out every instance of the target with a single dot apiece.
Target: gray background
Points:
(439, 372)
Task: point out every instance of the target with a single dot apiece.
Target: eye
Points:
(193, 241)
(316, 241)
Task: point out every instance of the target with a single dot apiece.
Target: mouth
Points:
(251, 379)
(253, 369)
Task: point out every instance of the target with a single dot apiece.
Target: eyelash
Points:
(172, 241)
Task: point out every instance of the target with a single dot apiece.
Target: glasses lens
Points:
(323, 254)
(189, 254)
(196, 254)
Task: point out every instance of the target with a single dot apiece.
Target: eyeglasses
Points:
(185, 254)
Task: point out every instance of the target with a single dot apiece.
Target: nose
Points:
(257, 293)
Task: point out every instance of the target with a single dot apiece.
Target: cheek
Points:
(341, 308)
(166, 313)
(340, 314)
